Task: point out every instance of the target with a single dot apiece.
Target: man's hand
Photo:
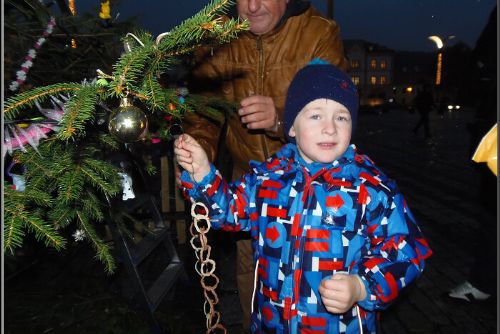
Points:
(341, 291)
(258, 112)
(190, 155)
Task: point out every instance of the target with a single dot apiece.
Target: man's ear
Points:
(291, 132)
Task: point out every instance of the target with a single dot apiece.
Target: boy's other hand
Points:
(341, 291)
(190, 155)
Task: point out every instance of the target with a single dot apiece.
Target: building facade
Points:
(371, 69)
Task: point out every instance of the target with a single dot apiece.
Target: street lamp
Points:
(439, 44)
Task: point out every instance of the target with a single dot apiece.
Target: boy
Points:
(334, 241)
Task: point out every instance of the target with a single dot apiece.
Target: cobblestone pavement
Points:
(69, 293)
(440, 184)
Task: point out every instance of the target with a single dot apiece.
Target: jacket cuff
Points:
(277, 131)
(369, 303)
(207, 179)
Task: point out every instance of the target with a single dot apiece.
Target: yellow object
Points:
(72, 9)
(486, 151)
(105, 12)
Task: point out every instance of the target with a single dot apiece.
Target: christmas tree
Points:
(66, 180)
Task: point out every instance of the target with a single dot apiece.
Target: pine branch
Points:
(27, 99)
(213, 108)
(100, 183)
(205, 26)
(153, 91)
(229, 30)
(128, 69)
(61, 216)
(107, 171)
(13, 234)
(80, 110)
(19, 216)
(45, 166)
(108, 141)
(66, 181)
(43, 231)
(92, 205)
(102, 250)
(34, 165)
(39, 197)
(70, 185)
(192, 30)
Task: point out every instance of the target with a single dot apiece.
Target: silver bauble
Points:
(127, 123)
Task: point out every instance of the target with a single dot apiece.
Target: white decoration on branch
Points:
(79, 235)
(128, 191)
(19, 182)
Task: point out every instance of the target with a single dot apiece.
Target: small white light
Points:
(128, 123)
(457, 107)
(450, 107)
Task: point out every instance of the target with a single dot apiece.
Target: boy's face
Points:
(322, 131)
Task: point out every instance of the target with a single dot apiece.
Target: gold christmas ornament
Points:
(127, 123)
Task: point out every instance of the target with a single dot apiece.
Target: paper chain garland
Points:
(205, 266)
(28, 60)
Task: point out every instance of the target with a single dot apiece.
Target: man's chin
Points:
(258, 28)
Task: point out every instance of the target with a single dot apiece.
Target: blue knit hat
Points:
(319, 80)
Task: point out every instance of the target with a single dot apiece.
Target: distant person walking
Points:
(424, 101)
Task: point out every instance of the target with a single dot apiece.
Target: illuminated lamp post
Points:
(439, 44)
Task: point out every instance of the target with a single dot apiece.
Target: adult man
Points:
(255, 70)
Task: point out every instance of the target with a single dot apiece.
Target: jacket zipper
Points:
(260, 79)
(260, 86)
(300, 251)
(308, 180)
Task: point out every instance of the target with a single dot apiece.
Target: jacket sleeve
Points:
(397, 252)
(204, 81)
(229, 204)
(330, 46)
(205, 131)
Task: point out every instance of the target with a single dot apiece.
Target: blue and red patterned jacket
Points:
(349, 217)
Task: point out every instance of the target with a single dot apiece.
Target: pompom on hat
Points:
(319, 79)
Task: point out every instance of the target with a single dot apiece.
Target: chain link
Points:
(204, 266)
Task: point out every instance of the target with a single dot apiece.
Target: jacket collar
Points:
(287, 160)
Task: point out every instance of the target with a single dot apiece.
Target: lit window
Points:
(383, 64)
(383, 80)
(373, 63)
(354, 63)
(373, 80)
(355, 80)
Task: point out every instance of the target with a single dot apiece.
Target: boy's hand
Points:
(341, 291)
(191, 156)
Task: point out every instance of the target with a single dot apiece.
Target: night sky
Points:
(397, 24)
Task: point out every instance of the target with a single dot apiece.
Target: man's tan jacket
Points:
(259, 65)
